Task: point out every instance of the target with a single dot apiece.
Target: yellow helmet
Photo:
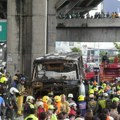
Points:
(115, 99)
(51, 107)
(81, 98)
(45, 98)
(104, 85)
(57, 98)
(91, 91)
(3, 79)
(95, 89)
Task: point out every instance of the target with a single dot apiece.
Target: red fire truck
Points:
(110, 71)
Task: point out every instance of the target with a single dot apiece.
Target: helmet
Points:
(105, 94)
(91, 96)
(13, 90)
(45, 98)
(70, 95)
(51, 107)
(3, 79)
(104, 85)
(95, 89)
(81, 98)
(91, 91)
(72, 104)
(115, 99)
(40, 103)
(29, 98)
(57, 98)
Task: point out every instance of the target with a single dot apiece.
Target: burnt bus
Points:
(57, 73)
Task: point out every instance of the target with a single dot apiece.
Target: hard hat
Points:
(91, 96)
(45, 98)
(29, 98)
(57, 98)
(70, 95)
(51, 107)
(40, 103)
(81, 98)
(3, 79)
(115, 99)
(72, 104)
(95, 89)
(105, 94)
(13, 90)
(91, 91)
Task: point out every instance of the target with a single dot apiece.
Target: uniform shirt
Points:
(32, 116)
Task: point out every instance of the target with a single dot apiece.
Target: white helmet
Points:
(29, 98)
(39, 103)
(70, 95)
(72, 104)
(13, 90)
(105, 94)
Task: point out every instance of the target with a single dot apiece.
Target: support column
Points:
(51, 38)
(19, 36)
(39, 28)
(13, 37)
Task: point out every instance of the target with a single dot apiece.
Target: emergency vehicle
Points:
(110, 71)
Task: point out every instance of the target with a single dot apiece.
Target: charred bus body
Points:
(57, 73)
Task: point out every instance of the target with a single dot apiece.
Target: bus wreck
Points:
(57, 73)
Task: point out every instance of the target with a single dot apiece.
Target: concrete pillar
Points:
(39, 28)
(51, 38)
(13, 37)
(19, 36)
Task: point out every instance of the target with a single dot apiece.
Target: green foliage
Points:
(117, 46)
(75, 49)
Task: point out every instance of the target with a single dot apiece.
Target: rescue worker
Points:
(20, 98)
(2, 105)
(102, 102)
(82, 105)
(11, 104)
(45, 100)
(65, 104)
(73, 108)
(32, 115)
(93, 104)
(28, 104)
(70, 98)
(57, 103)
(40, 109)
(105, 58)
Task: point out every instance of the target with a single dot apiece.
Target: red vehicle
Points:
(89, 72)
(110, 71)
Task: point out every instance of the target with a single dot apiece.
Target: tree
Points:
(75, 49)
(117, 46)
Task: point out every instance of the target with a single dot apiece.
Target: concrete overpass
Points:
(32, 28)
(87, 30)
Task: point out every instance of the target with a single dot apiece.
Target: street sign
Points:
(3, 31)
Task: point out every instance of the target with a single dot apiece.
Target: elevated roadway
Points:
(87, 30)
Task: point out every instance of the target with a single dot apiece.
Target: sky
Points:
(111, 6)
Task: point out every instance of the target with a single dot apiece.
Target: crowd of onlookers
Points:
(97, 15)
